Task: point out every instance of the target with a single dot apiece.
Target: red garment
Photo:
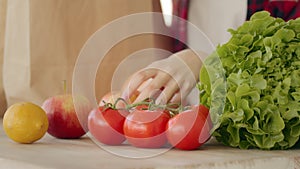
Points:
(285, 9)
(180, 9)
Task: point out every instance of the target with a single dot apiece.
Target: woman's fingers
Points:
(169, 90)
(161, 87)
(177, 98)
(135, 82)
(154, 88)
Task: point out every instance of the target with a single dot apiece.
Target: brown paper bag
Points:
(2, 33)
(44, 38)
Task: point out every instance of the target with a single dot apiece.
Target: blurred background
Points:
(41, 40)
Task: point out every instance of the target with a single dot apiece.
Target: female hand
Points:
(166, 80)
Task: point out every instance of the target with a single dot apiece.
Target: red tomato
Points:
(190, 129)
(106, 125)
(146, 128)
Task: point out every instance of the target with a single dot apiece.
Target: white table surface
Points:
(83, 153)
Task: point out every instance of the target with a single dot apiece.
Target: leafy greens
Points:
(259, 79)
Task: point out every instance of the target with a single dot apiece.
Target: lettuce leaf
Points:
(252, 85)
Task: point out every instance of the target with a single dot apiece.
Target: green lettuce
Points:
(252, 84)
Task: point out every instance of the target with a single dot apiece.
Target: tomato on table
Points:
(189, 129)
(106, 125)
(146, 128)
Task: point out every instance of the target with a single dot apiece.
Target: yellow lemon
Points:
(25, 122)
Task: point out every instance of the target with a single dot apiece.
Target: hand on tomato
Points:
(106, 125)
(146, 128)
(167, 80)
(189, 129)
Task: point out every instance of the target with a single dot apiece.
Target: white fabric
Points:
(214, 17)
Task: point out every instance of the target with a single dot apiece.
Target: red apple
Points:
(63, 118)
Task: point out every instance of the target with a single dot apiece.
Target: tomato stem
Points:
(107, 105)
(173, 108)
(116, 102)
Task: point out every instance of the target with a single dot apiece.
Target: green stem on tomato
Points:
(144, 102)
(173, 108)
(116, 102)
(107, 105)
